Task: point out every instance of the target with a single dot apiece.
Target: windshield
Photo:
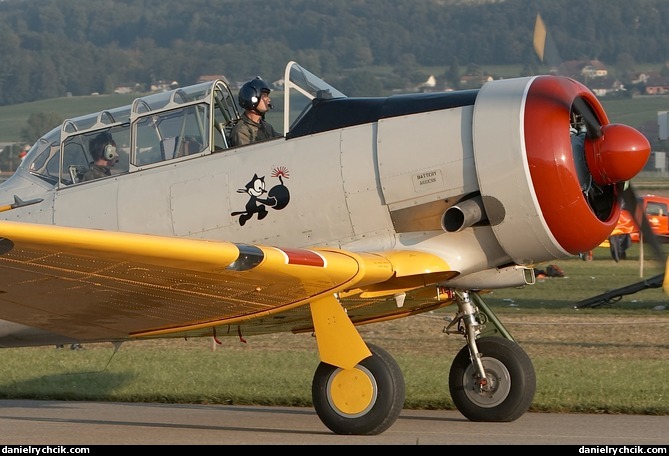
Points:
(43, 159)
(301, 88)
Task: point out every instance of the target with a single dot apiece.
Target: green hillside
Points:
(639, 112)
(13, 118)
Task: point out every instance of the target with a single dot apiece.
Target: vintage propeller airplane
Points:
(365, 210)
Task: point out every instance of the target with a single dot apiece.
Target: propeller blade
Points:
(544, 45)
(545, 48)
(594, 128)
(638, 214)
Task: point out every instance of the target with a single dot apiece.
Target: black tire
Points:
(510, 372)
(371, 401)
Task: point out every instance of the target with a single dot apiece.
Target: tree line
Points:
(52, 48)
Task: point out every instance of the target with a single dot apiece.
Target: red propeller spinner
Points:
(618, 155)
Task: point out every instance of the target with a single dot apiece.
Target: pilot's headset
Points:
(109, 149)
(250, 93)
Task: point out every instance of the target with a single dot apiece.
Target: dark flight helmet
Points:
(251, 91)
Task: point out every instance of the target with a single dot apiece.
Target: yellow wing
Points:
(100, 285)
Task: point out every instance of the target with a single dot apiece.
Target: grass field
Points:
(611, 359)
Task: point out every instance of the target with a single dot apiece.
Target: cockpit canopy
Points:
(158, 128)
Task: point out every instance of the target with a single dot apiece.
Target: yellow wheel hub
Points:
(352, 391)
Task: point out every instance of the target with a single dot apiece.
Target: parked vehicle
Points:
(657, 211)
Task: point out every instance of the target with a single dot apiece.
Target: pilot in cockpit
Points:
(254, 99)
(103, 152)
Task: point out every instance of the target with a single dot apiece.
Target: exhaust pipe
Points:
(463, 215)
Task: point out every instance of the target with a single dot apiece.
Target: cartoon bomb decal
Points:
(277, 198)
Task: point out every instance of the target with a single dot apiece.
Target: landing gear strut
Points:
(491, 379)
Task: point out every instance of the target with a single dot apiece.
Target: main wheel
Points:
(510, 382)
(364, 400)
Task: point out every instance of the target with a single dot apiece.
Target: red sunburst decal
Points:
(281, 171)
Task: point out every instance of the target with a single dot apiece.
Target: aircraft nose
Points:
(572, 182)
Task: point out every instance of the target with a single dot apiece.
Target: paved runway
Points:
(101, 423)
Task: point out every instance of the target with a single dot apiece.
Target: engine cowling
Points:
(544, 191)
